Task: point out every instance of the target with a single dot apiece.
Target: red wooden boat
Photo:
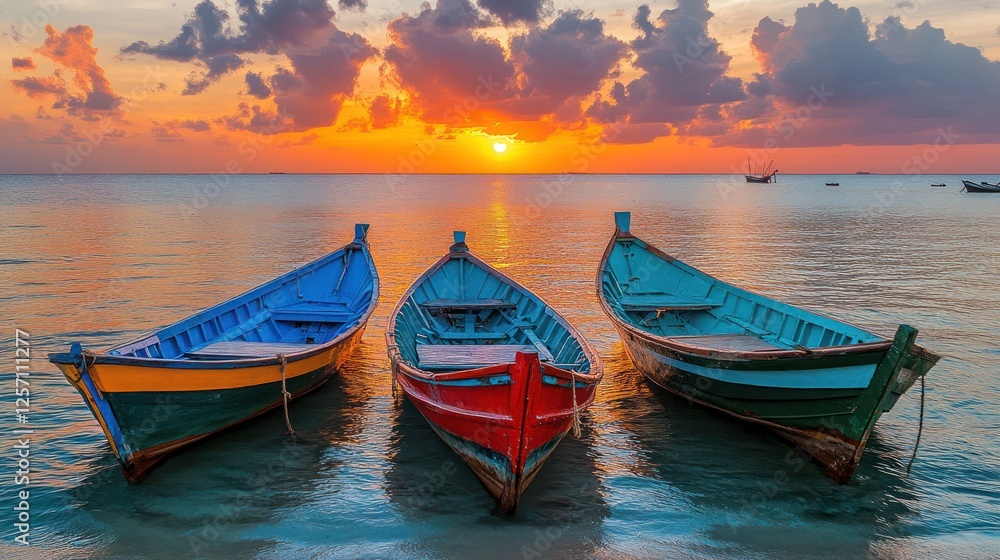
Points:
(490, 366)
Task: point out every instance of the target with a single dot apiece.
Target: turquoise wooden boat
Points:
(498, 374)
(229, 363)
(820, 383)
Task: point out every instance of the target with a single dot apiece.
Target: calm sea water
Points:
(102, 259)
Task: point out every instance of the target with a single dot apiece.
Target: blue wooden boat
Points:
(820, 383)
(498, 374)
(229, 363)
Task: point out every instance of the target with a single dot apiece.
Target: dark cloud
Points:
(567, 60)
(827, 80)
(195, 125)
(642, 133)
(37, 88)
(66, 134)
(170, 131)
(256, 86)
(321, 77)
(457, 76)
(683, 68)
(514, 11)
(208, 38)
(324, 61)
(385, 111)
(166, 134)
(73, 50)
(358, 5)
(21, 64)
(438, 59)
(256, 119)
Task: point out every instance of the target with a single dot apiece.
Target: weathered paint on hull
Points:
(146, 427)
(504, 429)
(831, 424)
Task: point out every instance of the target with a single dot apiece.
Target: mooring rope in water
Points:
(576, 410)
(920, 428)
(285, 394)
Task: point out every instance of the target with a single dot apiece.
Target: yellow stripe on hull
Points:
(115, 378)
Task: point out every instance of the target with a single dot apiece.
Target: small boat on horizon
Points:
(938, 185)
(865, 173)
(498, 374)
(229, 363)
(833, 184)
(764, 177)
(817, 382)
(983, 187)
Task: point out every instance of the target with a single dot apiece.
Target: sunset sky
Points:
(499, 86)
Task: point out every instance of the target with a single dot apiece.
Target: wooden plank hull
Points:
(229, 363)
(503, 421)
(830, 423)
(817, 382)
(146, 419)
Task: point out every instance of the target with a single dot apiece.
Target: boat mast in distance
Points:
(764, 177)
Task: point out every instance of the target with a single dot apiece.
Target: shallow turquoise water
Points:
(101, 259)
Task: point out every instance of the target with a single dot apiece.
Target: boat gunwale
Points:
(596, 365)
(360, 323)
(716, 353)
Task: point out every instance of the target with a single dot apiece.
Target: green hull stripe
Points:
(151, 419)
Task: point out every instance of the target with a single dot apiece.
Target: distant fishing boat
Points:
(497, 373)
(865, 173)
(983, 187)
(833, 184)
(938, 185)
(229, 363)
(764, 177)
(815, 381)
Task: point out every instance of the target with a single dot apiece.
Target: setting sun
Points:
(500, 147)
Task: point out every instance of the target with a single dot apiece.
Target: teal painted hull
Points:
(817, 382)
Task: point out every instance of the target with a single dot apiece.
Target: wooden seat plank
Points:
(313, 313)
(464, 335)
(236, 349)
(456, 305)
(467, 356)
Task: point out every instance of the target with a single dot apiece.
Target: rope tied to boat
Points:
(286, 396)
(394, 356)
(576, 409)
(920, 428)
(88, 354)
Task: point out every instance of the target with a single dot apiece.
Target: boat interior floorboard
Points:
(236, 349)
(432, 357)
